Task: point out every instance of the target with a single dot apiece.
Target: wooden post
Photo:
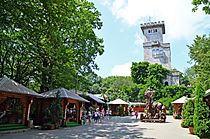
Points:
(24, 114)
(64, 106)
(78, 111)
(26, 103)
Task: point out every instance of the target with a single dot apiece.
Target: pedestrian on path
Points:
(107, 114)
(83, 118)
(89, 115)
(136, 114)
(110, 114)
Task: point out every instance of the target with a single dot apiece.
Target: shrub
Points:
(201, 114)
(53, 114)
(187, 114)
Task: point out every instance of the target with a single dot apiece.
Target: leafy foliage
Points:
(145, 75)
(54, 113)
(48, 44)
(139, 72)
(128, 89)
(170, 93)
(150, 74)
(201, 117)
(200, 54)
(116, 87)
(204, 3)
(188, 113)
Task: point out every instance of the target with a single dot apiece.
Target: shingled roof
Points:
(10, 86)
(95, 98)
(64, 93)
(91, 96)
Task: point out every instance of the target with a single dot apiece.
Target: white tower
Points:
(155, 51)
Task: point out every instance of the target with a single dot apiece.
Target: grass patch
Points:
(6, 127)
(72, 124)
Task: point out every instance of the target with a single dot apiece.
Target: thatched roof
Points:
(10, 86)
(64, 93)
(117, 102)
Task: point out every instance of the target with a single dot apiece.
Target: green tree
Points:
(139, 72)
(187, 114)
(200, 54)
(167, 94)
(48, 44)
(204, 3)
(53, 114)
(201, 119)
(151, 74)
(117, 87)
(189, 76)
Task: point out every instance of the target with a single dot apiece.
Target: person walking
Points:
(89, 115)
(107, 114)
(136, 114)
(83, 118)
(110, 114)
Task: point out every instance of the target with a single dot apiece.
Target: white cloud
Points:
(122, 70)
(104, 2)
(179, 19)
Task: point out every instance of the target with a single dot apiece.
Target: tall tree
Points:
(139, 72)
(50, 43)
(201, 116)
(117, 87)
(200, 55)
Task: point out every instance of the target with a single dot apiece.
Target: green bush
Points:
(201, 114)
(187, 114)
(53, 114)
(183, 124)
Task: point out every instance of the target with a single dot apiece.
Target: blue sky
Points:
(123, 38)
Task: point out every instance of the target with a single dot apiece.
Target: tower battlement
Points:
(156, 51)
(153, 25)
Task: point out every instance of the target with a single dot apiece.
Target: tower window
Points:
(149, 31)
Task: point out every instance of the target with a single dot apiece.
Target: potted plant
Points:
(201, 118)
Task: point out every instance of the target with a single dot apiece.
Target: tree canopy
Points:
(47, 44)
(204, 3)
(149, 74)
(200, 55)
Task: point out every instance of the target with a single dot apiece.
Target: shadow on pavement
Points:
(115, 128)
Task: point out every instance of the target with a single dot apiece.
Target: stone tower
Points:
(155, 51)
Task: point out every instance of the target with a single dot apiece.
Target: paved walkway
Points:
(115, 128)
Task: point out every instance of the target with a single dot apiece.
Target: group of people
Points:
(97, 116)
